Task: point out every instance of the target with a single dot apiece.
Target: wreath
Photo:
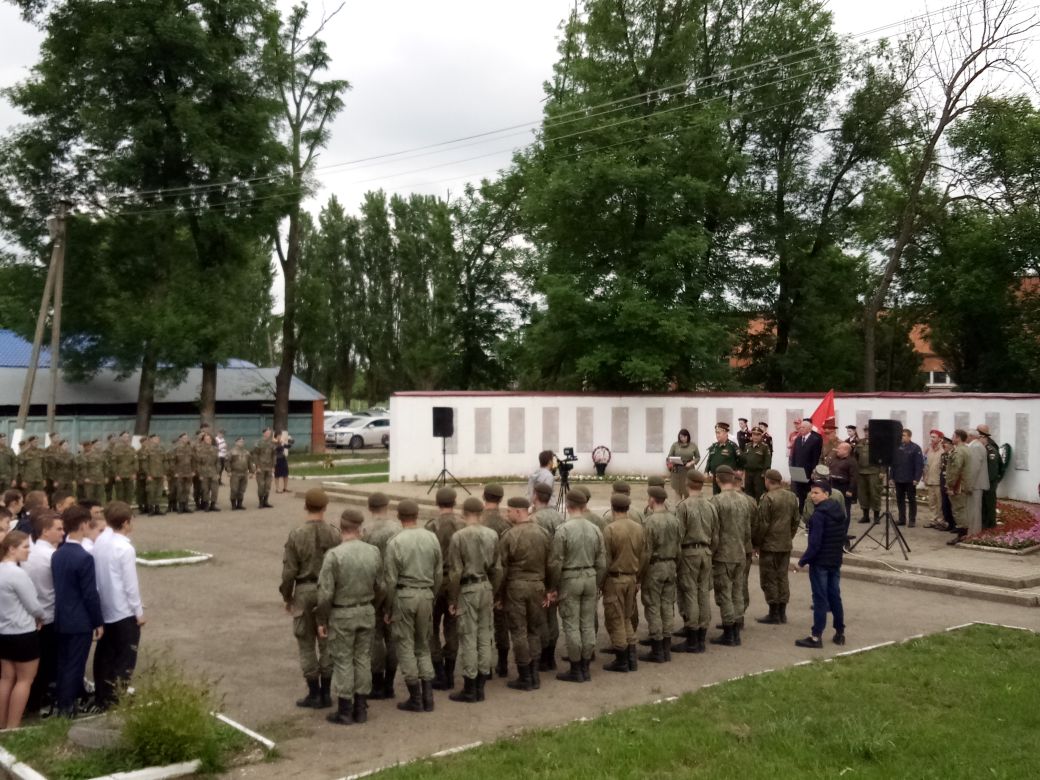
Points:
(601, 455)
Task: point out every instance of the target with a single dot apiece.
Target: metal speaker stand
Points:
(442, 478)
(893, 535)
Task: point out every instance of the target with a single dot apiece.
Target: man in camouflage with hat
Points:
(378, 529)
(8, 464)
(208, 459)
(263, 462)
(658, 585)
(474, 573)
(349, 583)
(183, 471)
(124, 468)
(549, 519)
(623, 488)
(758, 458)
(30, 466)
(524, 554)
(577, 569)
(239, 466)
(414, 570)
(652, 482)
(60, 465)
(868, 481)
(772, 533)
(301, 563)
(624, 542)
(729, 556)
(493, 519)
(90, 472)
(151, 463)
(699, 536)
(445, 642)
(722, 452)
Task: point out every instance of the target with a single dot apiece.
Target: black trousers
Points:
(801, 489)
(906, 492)
(115, 659)
(42, 692)
(73, 650)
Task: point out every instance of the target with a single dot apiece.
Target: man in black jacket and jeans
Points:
(907, 470)
(827, 528)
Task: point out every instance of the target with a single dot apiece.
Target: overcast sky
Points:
(424, 72)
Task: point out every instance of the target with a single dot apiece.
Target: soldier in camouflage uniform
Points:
(626, 490)
(208, 468)
(624, 542)
(772, 533)
(151, 461)
(414, 570)
(758, 458)
(106, 454)
(301, 563)
(183, 470)
(654, 481)
(61, 466)
(658, 586)
(90, 472)
(699, 536)
(263, 462)
(378, 530)
(349, 584)
(474, 574)
(31, 466)
(444, 653)
(868, 484)
(493, 519)
(170, 467)
(549, 519)
(728, 558)
(8, 464)
(239, 466)
(124, 469)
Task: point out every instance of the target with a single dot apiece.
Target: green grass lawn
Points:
(165, 555)
(958, 704)
(353, 468)
(370, 453)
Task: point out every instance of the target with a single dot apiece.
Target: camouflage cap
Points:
(723, 469)
(695, 477)
(473, 506)
(407, 509)
(620, 502)
(351, 518)
(622, 487)
(773, 475)
(446, 496)
(518, 502)
(584, 489)
(378, 500)
(493, 492)
(655, 481)
(316, 498)
(575, 496)
(657, 493)
(543, 490)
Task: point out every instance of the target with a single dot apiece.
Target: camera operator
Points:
(542, 476)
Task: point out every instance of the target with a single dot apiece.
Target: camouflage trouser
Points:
(502, 630)
(619, 602)
(526, 619)
(123, 490)
(238, 486)
(153, 491)
(475, 621)
(263, 482)
(578, 615)
(729, 591)
(314, 651)
(93, 491)
(772, 575)
(141, 491)
(183, 489)
(959, 505)
(694, 585)
(210, 487)
(447, 624)
(868, 490)
(350, 648)
(384, 654)
(172, 496)
(658, 594)
(747, 573)
(412, 626)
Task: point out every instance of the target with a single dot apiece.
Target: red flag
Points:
(824, 412)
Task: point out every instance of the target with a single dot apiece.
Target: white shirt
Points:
(88, 544)
(38, 567)
(221, 447)
(115, 563)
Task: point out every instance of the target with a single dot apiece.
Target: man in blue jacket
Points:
(77, 608)
(827, 529)
(907, 470)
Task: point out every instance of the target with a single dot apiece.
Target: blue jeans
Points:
(825, 582)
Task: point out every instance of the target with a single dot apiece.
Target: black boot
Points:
(213, 507)
(737, 628)
(773, 618)
(343, 714)
(690, 645)
(536, 682)
(427, 695)
(573, 674)
(586, 671)
(438, 676)
(449, 673)
(726, 638)
(388, 683)
(633, 658)
(656, 654)
(648, 642)
(680, 632)
(666, 645)
(468, 694)
(782, 612)
(543, 661)
(551, 657)
(377, 685)
(481, 679)
(360, 708)
(502, 670)
(523, 678)
(702, 634)
(313, 698)
(620, 662)
(414, 703)
(325, 686)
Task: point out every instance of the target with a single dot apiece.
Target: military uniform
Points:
(758, 458)
(772, 532)
(728, 559)
(124, 471)
(208, 468)
(492, 518)
(151, 462)
(624, 543)
(301, 564)
(957, 485)
(868, 485)
(577, 569)
(61, 468)
(549, 519)
(239, 466)
(30, 467)
(658, 587)
(90, 474)
(524, 553)
(349, 582)
(184, 469)
(378, 531)
(721, 454)
(170, 467)
(474, 573)
(263, 461)
(689, 454)
(699, 535)
(8, 466)
(444, 644)
(994, 467)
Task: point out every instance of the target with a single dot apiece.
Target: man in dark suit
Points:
(77, 608)
(805, 453)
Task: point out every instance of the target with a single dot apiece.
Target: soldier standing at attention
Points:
(722, 453)
(652, 482)
(184, 470)
(549, 519)
(209, 472)
(868, 484)
(474, 574)
(958, 484)
(110, 441)
(658, 586)
(263, 461)
(30, 466)
(624, 543)
(758, 458)
(124, 468)
(61, 466)
(729, 557)
(492, 518)
(699, 535)
(170, 466)
(349, 583)
(379, 529)
(90, 472)
(625, 489)
(524, 555)
(151, 464)
(8, 464)
(301, 563)
(577, 569)
(239, 466)
(445, 642)
(687, 452)
(414, 569)
(772, 532)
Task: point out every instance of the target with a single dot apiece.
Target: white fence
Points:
(502, 433)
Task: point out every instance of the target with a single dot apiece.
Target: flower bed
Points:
(1018, 529)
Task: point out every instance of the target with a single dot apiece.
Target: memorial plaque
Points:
(482, 430)
(655, 429)
(760, 416)
(688, 420)
(960, 420)
(619, 429)
(551, 428)
(585, 429)
(993, 421)
(517, 430)
(929, 422)
(1021, 455)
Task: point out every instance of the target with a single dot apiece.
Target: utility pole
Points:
(56, 226)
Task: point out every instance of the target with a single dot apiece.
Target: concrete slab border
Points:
(195, 557)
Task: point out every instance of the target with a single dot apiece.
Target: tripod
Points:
(565, 485)
(893, 535)
(442, 478)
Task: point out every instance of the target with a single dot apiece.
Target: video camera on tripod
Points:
(563, 469)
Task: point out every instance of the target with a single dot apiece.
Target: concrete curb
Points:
(196, 557)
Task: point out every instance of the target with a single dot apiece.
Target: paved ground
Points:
(225, 619)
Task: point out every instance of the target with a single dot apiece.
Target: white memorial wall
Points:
(501, 433)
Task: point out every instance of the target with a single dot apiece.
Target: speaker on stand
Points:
(884, 439)
(444, 427)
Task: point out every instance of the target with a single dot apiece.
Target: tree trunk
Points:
(285, 370)
(146, 390)
(208, 395)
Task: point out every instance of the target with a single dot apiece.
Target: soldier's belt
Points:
(469, 579)
(352, 606)
(655, 559)
(578, 568)
(414, 587)
(304, 580)
(689, 545)
(621, 574)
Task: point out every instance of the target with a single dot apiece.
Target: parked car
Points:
(363, 432)
(338, 424)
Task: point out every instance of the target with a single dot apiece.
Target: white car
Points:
(338, 423)
(360, 432)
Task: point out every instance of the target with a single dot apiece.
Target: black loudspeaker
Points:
(885, 438)
(443, 421)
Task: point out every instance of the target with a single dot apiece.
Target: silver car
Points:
(361, 432)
